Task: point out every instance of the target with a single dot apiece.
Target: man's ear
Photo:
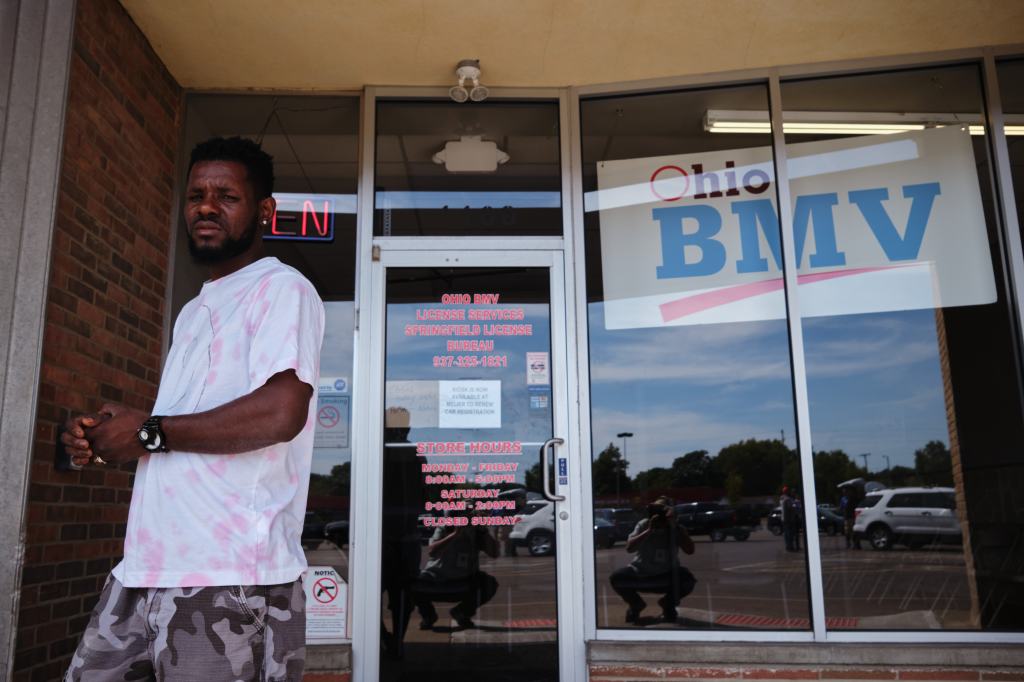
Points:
(267, 208)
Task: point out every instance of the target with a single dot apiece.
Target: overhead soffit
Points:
(346, 44)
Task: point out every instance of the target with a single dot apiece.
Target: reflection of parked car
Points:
(828, 521)
(605, 533)
(910, 516)
(536, 529)
(312, 531)
(337, 532)
(714, 520)
(623, 519)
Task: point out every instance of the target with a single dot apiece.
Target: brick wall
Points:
(104, 318)
(618, 661)
(621, 673)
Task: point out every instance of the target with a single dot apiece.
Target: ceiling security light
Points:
(468, 70)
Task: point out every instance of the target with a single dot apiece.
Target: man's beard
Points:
(227, 250)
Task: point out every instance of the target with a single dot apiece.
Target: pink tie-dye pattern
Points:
(222, 533)
(218, 466)
(248, 551)
(195, 580)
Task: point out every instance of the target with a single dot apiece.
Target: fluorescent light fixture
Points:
(848, 122)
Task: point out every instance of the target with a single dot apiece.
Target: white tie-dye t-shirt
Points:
(201, 519)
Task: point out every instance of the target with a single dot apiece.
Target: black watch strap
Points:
(151, 435)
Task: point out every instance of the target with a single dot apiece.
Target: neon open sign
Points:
(303, 217)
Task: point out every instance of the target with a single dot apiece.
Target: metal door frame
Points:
(368, 474)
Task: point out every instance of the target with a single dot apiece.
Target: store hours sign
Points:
(880, 223)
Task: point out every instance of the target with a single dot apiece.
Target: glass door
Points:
(473, 469)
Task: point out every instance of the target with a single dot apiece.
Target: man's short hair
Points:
(259, 165)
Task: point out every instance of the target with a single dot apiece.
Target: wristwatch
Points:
(151, 435)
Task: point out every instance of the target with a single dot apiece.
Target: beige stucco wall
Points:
(345, 44)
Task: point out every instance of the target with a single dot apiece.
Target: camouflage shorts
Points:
(252, 633)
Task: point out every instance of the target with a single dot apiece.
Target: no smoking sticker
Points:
(328, 417)
(332, 414)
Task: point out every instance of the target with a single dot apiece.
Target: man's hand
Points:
(74, 440)
(115, 439)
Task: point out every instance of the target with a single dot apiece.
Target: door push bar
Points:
(545, 464)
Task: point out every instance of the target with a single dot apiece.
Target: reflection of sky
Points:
(679, 389)
(411, 358)
(336, 361)
(874, 384)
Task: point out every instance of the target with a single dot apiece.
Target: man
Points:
(656, 541)
(401, 504)
(453, 573)
(791, 520)
(209, 586)
(848, 509)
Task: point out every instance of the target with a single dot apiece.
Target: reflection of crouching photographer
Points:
(656, 541)
(453, 574)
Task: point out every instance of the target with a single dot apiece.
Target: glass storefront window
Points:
(470, 169)
(314, 142)
(1011, 92)
(913, 381)
(695, 474)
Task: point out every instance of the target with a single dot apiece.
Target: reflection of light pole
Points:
(865, 455)
(887, 465)
(618, 470)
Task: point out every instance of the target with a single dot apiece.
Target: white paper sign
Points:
(881, 223)
(537, 370)
(418, 397)
(326, 605)
(469, 404)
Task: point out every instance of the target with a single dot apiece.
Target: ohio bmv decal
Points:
(881, 223)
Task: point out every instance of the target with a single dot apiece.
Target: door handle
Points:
(544, 465)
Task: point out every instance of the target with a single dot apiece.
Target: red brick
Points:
(940, 674)
(327, 677)
(1004, 675)
(858, 674)
(780, 674)
(703, 673)
(601, 672)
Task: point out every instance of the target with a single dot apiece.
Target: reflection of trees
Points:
(335, 484)
(831, 468)
(609, 472)
(933, 464)
(764, 465)
(759, 468)
(533, 479)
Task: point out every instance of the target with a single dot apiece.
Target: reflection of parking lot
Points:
(740, 585)
(758, 584)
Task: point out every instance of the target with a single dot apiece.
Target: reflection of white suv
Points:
(536, 529)
(910, 516)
